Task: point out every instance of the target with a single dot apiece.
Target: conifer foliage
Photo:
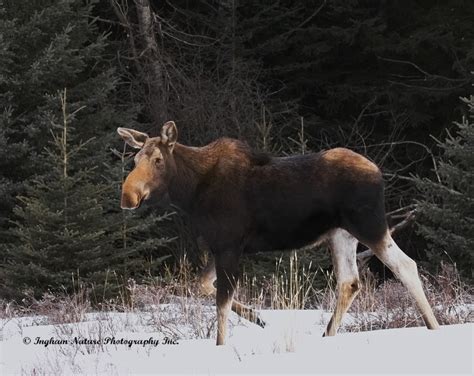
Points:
(63, 229)
(61, 224)
(447, 209)
(61, 215)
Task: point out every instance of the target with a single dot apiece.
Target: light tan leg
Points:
(206, 283)
(227, 270)
(207, 278)
(223, 309)
(247, 313)
(343, 249)
(407, 272)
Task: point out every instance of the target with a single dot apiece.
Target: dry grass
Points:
(378, 306)
(170, 305)
(388, 305)
(290, 286)
(54, 308)
(173, 305)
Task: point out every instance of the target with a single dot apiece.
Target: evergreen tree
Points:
(13, 171)
(45, 47)
(57, 215)
(447, 209)
(63, 229)
(14, 150)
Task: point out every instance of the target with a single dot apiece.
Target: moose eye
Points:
(158, 160)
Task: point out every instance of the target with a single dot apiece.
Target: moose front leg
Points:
(227, 270)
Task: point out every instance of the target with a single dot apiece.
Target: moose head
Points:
(154, 165)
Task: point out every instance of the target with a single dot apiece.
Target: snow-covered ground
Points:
(291, 343)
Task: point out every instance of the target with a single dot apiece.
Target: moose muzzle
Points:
(130, 200)
(133, 191)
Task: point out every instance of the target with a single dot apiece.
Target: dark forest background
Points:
(389, 79)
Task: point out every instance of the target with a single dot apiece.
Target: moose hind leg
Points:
(227, 270)
(247, 313)
(206, 284)
(405, 269)
(343, 249)
(207, 278)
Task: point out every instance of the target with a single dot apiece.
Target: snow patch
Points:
(291, 343)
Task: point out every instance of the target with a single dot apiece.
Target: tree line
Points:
(382, 78)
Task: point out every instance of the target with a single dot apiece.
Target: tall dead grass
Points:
(388, 305)
(173, 305)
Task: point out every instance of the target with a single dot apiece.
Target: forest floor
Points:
(178, 338)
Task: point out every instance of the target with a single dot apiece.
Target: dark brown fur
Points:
(253, 202)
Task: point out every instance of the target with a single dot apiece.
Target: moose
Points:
(242, 201)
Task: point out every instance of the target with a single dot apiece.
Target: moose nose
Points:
(132, 194)
(134, 189)
(130, 200)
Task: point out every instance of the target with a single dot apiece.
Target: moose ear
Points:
(132, 137)
(169, 134)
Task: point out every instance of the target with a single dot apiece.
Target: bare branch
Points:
(406, 62)
(362, 112)
(314, 14)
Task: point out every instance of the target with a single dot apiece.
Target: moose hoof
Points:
(260, 322)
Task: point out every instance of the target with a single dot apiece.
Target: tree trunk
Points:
(152, 57)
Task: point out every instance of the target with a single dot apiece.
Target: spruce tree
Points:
(60, 221)
(44, 48)
(447, 209)
(64, 230)
(14, 149)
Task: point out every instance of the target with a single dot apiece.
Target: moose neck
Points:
(193, 164)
